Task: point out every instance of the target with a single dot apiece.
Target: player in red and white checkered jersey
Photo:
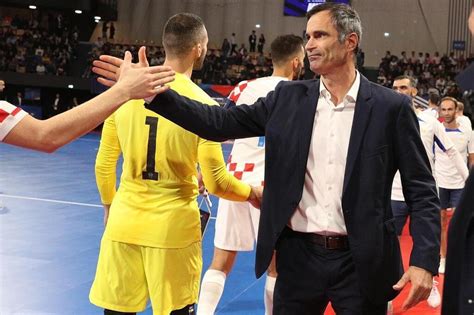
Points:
(20, 129)
(237, 222)
(10, 115)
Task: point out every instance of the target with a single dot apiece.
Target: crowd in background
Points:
(434, 73)
(47, 46)
(227, 66)
(34, 46)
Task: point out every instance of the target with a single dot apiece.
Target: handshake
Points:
(255, 197)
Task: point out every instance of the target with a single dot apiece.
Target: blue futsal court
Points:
(51, 222)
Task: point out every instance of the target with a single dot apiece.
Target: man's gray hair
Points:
(344, 18)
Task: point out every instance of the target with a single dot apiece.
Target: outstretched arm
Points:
(48, 135)
(213, 122)
(209, 122)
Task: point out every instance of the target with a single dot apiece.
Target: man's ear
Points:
(199, 50)
(352, 41)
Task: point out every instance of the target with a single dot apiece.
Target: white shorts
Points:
(236, 226)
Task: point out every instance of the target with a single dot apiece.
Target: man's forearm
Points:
(62, 129)
(211, 122)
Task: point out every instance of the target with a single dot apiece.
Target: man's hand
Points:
(421, 283)
(255, 197)
(137, 79)
(106, 214)
(201, 186)
(108, 67)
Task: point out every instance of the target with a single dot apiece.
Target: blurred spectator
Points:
(40, 68)
(233, 44)
(242, 50)
(111, 31)
(252, 41)
(17, 100)
(57, 104)
(261, 43)
(104, 30)
(2, 88)
(225, 48)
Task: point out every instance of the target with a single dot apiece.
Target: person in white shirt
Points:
(432, 133)
(450, 183)
(433, 103)
(20, 129)
(463, 121)
(237, 222)
(40, 68)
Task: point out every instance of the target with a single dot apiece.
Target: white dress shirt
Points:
(320, 208)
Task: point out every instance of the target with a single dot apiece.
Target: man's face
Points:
(447, 110)
(325, 52)
(2, 86)
(199, 63)
(404, 87)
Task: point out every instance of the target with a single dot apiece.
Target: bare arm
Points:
(48, 135)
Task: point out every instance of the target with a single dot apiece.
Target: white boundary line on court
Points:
(52, 200)
(58, 201)
(239, 295)
(88, 140)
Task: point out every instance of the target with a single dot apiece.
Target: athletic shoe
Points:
(434, 299)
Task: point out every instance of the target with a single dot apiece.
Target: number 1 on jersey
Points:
(149, 172)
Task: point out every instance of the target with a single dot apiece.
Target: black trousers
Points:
(310, 276)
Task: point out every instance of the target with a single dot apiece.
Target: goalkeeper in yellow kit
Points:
(151, 247)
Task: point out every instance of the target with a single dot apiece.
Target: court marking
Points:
(52, 200)
(239, 295)
(58, 201)
(88, 140)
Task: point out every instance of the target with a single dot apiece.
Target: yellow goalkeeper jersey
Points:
(156, 202)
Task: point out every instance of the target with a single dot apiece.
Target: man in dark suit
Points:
(332, 149)
(458, 292)
(458, 296)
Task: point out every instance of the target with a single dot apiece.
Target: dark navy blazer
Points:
(384, 138)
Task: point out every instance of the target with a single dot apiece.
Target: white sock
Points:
(268, 298)
(211, 291)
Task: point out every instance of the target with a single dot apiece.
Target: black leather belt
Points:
(326, 241)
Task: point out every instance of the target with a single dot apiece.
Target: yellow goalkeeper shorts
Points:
(129, 275)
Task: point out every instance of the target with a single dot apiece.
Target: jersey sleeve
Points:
(217, 179)
(106, 161)
(10, 116)
(470, 146)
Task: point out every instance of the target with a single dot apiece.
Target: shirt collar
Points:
(351, 95)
